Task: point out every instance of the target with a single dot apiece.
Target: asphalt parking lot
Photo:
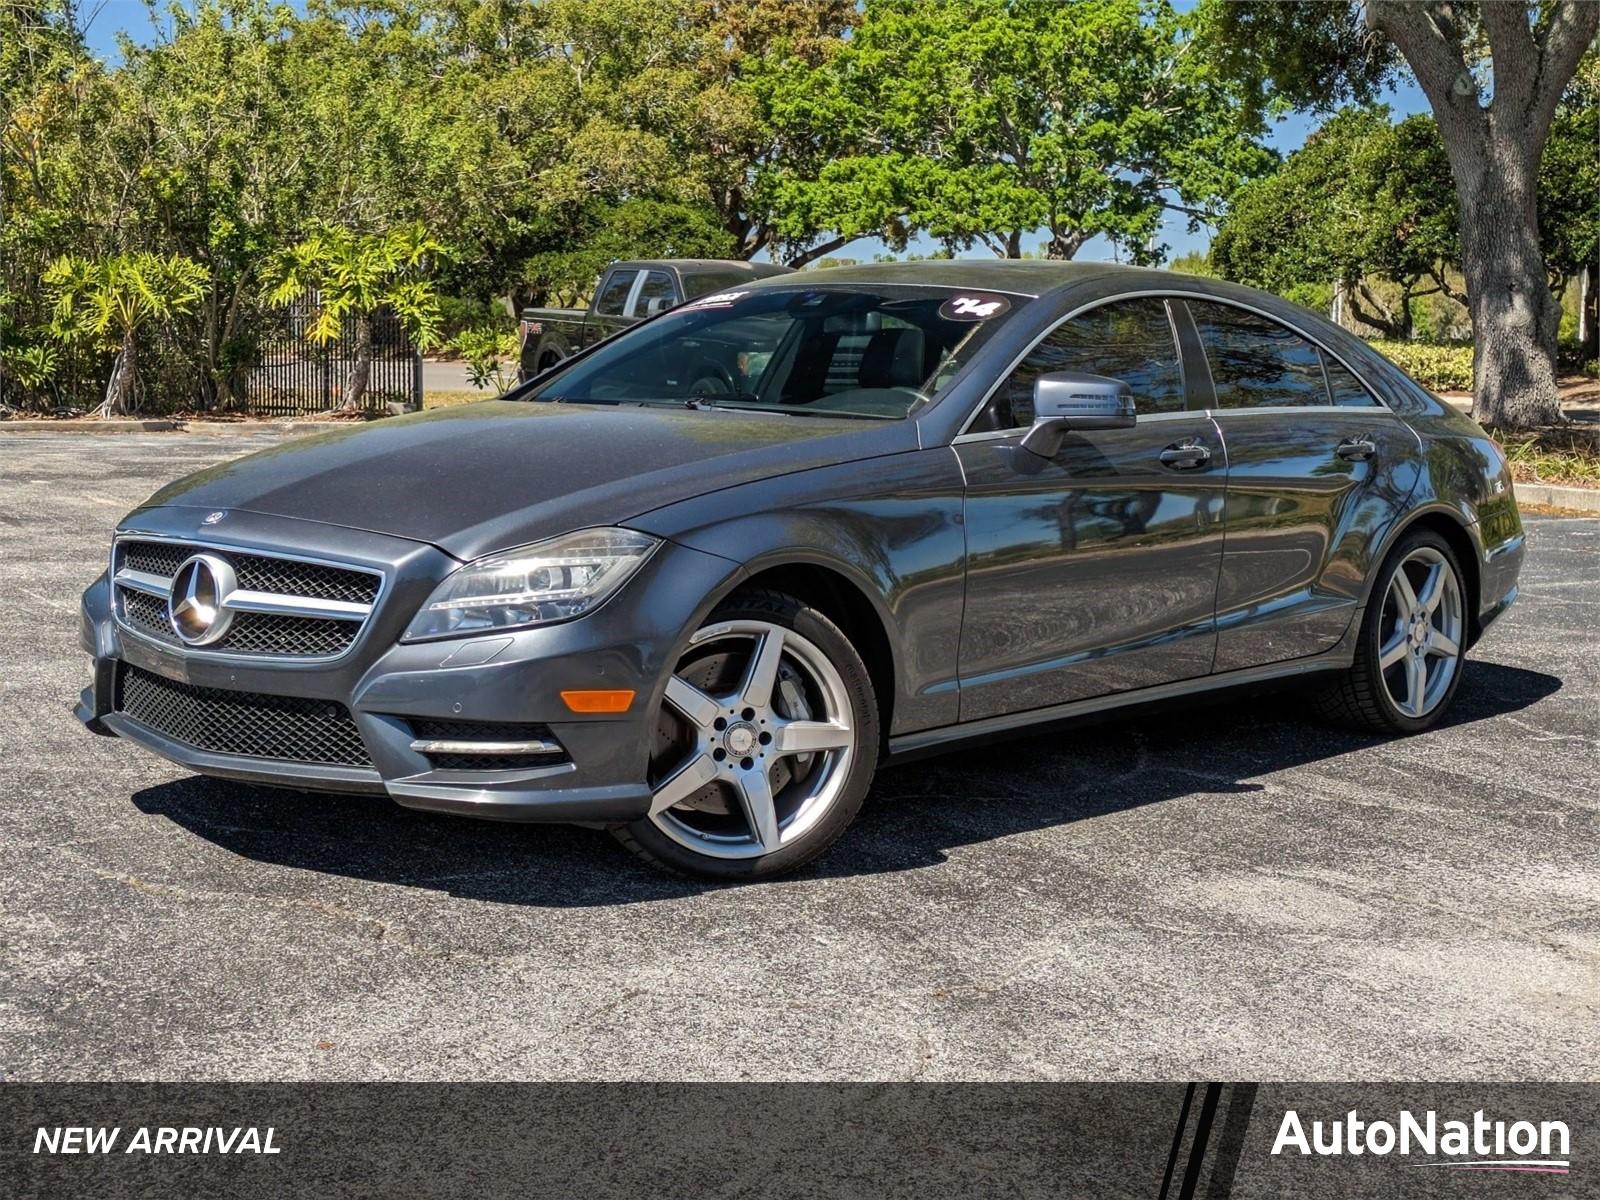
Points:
(1229, 892)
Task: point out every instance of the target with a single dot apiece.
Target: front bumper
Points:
(514, 677)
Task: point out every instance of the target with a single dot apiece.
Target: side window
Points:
(657, 286)
(1257, 363)
(613, 293)
(1130, 340)
(1345, 388)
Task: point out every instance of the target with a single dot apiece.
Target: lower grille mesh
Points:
(287, 728)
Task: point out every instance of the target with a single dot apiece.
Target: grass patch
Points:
(1563, 457)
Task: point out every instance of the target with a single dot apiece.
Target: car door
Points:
(1094, 571)
(655, 289)
(1318, 469)
(611, 301)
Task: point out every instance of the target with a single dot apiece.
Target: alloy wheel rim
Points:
(1423, 621)
(788, 718)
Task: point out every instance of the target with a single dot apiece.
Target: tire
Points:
(551, 348)
(1379, 698)
(737, 796)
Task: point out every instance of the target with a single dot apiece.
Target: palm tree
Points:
(346, 273)
(108, 300)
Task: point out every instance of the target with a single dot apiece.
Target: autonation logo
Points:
(1480, 1144)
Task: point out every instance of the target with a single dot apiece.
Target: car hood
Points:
(482, 477)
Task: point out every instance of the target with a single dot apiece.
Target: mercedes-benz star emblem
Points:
(195, 600)
(212, 518)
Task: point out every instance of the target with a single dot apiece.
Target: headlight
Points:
(556, 580)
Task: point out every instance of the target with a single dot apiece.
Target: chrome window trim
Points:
(1018, 431)
(1175, 294)
(285, 605)
(1321, 410)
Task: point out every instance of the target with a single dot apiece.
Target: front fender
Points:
(889, 527)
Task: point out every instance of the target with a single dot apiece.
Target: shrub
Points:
(1439, 367)
(492, 356)
(458, 314)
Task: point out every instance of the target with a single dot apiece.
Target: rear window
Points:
(845, 352)
(698, 283)
(1347, 391)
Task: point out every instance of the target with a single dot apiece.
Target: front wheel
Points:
(765, 743)
(1412, 641)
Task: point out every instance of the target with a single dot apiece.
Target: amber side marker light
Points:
(598, 701)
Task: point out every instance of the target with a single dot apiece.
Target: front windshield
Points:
(874, 351)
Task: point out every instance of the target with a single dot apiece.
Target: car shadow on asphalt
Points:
(914, 816)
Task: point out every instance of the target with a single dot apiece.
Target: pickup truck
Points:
(627, 292)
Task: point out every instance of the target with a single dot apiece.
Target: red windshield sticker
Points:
(973, 308)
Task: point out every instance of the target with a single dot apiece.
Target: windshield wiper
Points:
(721, 400)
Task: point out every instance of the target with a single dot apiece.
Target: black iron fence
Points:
(294, 375)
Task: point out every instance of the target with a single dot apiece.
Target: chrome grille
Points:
(248, 724)
(290, 578)
(283, 607)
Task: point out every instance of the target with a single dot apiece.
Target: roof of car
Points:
(703, 264)
(1021, 277)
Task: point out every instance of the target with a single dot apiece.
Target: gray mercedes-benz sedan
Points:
(698, 582)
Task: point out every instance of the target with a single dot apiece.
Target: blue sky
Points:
(107, 18)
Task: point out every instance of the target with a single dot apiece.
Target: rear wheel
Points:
(765, 744)
(1412, 641)
(551, 348)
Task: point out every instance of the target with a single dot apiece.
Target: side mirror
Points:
(1069, 401)
(657, 305)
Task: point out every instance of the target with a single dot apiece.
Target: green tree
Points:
(1569, 201)
(1494, 74)
(54, 101)
(109, 300)
(351, 275)
(983, 121)
(213, 159)
(1362, 198)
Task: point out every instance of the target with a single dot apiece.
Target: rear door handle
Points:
(1185, 456)
(1357, 449)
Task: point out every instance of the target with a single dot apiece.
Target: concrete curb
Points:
(1581, 499)
(208, 428)
(114, 425)
(235, 428)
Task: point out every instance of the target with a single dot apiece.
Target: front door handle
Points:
(1357, 449)
(1185, 456)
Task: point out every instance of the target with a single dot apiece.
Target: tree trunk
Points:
(1515, 316)
(355, 386)
(1588, 327)
(1494, 143)
(1384, 320)
(119, 388)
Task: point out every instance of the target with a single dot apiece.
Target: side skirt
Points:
(910, 746)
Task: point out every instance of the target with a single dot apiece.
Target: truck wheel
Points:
(549, 350)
